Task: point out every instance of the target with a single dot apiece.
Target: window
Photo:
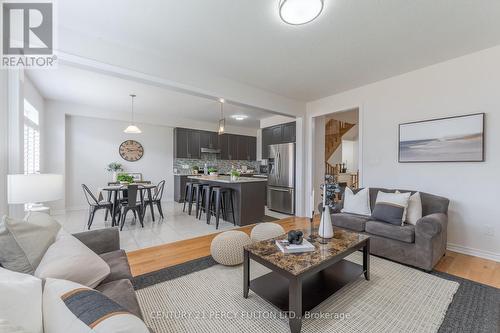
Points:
(31, 139)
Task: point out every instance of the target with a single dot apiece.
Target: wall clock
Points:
(131, 150)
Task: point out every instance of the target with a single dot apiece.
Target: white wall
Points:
(318, 158)
(464, 85)
(93, 143)
(275, 120)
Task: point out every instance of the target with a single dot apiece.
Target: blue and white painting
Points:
(457, 139)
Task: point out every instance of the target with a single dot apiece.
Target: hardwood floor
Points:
(155, 258)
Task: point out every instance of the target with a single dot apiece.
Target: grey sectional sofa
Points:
(421, 245)
(118, 285)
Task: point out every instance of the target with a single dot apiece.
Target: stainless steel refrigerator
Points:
(281, 178)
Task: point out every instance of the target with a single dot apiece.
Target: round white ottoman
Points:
(227, 248)
(264, 231)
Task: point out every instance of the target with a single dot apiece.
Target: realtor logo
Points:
(27, 34)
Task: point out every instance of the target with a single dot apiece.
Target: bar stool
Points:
(188, 194)
(197, 187)
(206, 204)
(219, 199)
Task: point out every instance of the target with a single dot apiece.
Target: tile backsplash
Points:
(184, 165)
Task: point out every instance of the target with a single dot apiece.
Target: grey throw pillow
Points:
(391, 207)
(23, 243)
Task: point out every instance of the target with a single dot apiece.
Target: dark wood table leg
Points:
(366, 259)
(150, 204)
(295, 305)
(246, 273)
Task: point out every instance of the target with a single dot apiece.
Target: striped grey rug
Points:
(396, 299)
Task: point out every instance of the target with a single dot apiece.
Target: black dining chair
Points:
(131, 204)
(157, 196)
(95, 204)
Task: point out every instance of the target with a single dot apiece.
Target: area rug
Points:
(396, 299)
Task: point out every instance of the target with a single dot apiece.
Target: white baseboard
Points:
(474, 252)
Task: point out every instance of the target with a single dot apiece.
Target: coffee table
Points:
(299, 282)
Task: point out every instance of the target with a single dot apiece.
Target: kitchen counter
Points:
(227, 179)
(249, 197)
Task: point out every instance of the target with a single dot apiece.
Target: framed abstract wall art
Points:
(452, 139)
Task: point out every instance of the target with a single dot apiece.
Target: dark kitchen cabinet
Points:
(252, 148)
(229, 146)
(209, 140)
(188, 144)
(194, 144)
(284, 133)
(267, 134)
(277, 134)
(242, 152)
(181, 143)
(288, 133)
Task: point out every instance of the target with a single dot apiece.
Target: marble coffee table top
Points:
(298, 263)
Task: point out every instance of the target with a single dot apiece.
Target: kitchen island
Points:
(248, 196)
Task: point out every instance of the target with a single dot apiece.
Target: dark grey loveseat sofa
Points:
(118, 285)
(421, 245)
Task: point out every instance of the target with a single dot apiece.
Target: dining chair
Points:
(95, 204)
(157, 197)
(131, 204)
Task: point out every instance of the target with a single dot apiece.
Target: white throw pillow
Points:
(70, 259)
(20, 302)
(72, 307)
(358, 203)
(414, 211)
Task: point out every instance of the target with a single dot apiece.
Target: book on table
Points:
(286, 247)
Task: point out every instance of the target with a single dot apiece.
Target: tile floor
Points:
(174, 227)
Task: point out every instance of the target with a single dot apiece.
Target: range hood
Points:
(210, 151)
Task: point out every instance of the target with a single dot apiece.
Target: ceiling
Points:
(353, 42)
(105, 92)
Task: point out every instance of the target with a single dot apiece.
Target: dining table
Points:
(114, 195)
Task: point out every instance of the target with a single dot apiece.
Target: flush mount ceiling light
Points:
(222, 120)
(298, 12)
(132, 129)
(239, 116)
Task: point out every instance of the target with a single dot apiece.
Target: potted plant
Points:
(212, 171)
(195, 169)
(114, 168)
(235, 175)
(124, 178)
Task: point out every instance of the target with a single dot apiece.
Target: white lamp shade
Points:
(132, 129)
(35, 188)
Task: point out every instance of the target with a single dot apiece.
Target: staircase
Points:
(334, 131)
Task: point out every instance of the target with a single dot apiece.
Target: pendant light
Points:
(132, 129)
(222, 120)
(298, 12)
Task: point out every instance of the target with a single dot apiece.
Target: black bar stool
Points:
(206, 204)
(219, 199)
(188, 194)
(196, 197)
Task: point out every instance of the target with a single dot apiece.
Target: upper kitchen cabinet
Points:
(252, 148)
(229, 146)
(288, 133)
(283, 133)
(181, 142)
(276, 134)
(209, 140)
(267, 134)
(188, 144)
(194, 144)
